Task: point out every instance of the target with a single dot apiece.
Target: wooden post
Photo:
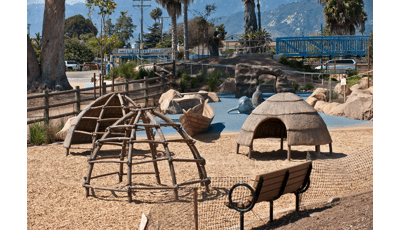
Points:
(173, 68)
(78, 100)
(104, 88)
(94, 86)
(101, 86)
(171, 77)
(196, 213)
(368, 65)
(126, 87)
(154, 67)
(46, 104)
(146, 92)
(318, 149)
(112, 88)
(289, 153)
(162, 85)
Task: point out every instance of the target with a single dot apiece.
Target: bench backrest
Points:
(272, 185)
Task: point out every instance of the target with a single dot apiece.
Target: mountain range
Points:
(280, 18)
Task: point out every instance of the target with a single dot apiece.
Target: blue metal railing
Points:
(322, 45)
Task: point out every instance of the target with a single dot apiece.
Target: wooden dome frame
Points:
(123, 133)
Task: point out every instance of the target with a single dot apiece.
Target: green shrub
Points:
(351, 72)
(150, 74)
(283, 60)
(183, 84)
(194, 81)
(44, 132)
(309, 86)
(212, 79)
(295, 86)
(181, 72)
(334, 95)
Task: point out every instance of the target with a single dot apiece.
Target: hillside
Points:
(281, 18)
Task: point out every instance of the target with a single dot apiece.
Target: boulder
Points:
(60, 136)
(211, 96)
(228, 87)
(355, 87)
(363, 82)
(357, 94)
(319, 96)
(187, 103)
(320, 90)
(328, 108)
(360, 108)
(169, 106)
(170, 95)
(283, 85)
(312, 101)
(339, 89)
(194, 95)
(320, 105)
(246, 78)
(371, 89)
(338, 110)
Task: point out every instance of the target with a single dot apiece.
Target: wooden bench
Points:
(271, 186)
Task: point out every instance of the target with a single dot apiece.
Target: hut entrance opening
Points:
(270, 128)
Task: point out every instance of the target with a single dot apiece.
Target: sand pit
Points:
(56, 198)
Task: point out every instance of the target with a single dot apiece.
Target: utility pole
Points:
(259, 15)
(162, 23)
(141, 17)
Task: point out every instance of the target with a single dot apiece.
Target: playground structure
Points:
(285, 115)
(123, 133)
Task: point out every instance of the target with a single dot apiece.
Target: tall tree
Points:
(108, 27)
(221, 30)
(52, 66)
(75, 50)
(77, 25)
(205, 23)
(154, 36)
(343, 16)
(156, 14)
(249, 16)
(185, 30)
(124, 28)
(174, 10)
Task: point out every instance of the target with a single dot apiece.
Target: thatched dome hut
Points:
(285, 115)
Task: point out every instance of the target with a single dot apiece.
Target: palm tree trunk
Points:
(250, 16)
(174, 36)
(185, 31)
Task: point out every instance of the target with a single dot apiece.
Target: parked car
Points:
(93, 65)
(342, 64)
(70, 65)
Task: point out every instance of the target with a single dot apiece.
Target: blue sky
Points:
(70, 2)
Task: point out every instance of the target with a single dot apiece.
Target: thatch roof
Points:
(302, 123)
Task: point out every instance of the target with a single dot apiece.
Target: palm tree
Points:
(249, 16)
(156, 14)
(343, 16)
(174, 10)
(185, 28)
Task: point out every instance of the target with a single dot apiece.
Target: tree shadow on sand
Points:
(296, 155)
(212, 134)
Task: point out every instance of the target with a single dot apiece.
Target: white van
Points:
(342, 64)
(70, 65)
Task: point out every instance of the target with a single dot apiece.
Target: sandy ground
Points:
(56, 198)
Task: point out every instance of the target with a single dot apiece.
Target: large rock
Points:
(228, 87)
(363, 82)
(371, 89)
(194, 95)
(340, 90)
(169, 106)
(211, 96)
(312, 101)
(320, 90)
(246, 77)
(320, 105)
(169, 95)
(283, 85)
(338, 110)
(355, 87)
(357, 94)
(360, 108)
(60, 136)
(187, 103)
(328, 108)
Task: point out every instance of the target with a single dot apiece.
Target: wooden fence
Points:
(162, 81)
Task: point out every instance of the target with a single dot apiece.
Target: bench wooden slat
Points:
(278, 180)
(272, 194)
(278, 185)
(277, 173)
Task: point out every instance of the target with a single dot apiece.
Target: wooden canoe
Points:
(197, 119)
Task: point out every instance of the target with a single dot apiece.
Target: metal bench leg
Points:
(271, 211)
(297, 202)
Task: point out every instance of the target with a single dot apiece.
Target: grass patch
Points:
(44, 132)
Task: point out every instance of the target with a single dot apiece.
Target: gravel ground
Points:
(56, 198)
